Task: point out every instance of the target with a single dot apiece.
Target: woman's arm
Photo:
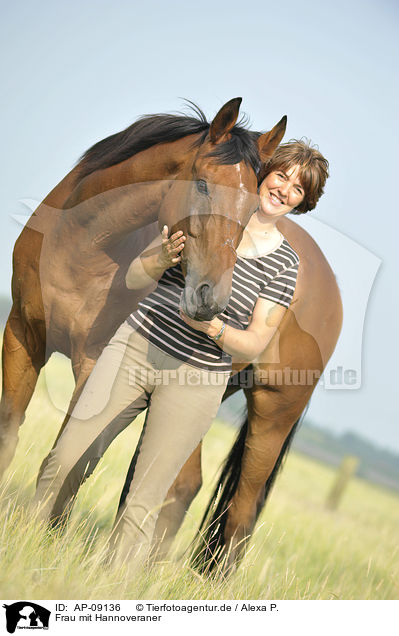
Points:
(249, 343)
(161, 254)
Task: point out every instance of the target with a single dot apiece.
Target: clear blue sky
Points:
(75, 72)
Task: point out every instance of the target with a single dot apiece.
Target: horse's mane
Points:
(149, 130)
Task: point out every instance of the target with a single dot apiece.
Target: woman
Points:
(177, 366)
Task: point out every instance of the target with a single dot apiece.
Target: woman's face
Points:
(280, 192)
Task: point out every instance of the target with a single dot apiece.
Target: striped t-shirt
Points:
(272, 276)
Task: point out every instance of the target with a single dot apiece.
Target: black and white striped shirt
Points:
(157, 318)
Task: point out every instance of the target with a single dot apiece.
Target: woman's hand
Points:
(171, 248)
(210, 327)
(244, 344)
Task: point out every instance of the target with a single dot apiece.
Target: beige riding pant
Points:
(130, 375)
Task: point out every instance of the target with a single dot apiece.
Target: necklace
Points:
(254, 245)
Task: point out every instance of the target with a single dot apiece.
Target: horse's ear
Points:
(268, 142)
(225, 120)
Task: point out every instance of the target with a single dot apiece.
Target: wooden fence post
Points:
(346, 470)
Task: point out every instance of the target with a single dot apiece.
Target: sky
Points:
(73, 73)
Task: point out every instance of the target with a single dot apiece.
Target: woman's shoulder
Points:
(289, 252)
(284, 256)
(279, 257)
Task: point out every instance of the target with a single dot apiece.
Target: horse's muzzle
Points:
(199, 303)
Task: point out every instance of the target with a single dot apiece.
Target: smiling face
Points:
(280, 192)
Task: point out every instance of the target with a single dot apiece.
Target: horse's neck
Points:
(114, 201)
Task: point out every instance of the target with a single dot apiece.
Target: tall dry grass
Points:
(300, 550)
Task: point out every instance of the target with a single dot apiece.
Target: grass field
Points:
(300, 550)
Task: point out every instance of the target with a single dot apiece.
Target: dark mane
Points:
(163, 128)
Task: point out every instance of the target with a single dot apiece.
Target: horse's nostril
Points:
(203, 292)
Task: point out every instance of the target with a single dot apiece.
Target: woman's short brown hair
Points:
(312, 174)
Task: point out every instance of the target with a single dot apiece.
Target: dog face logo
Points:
(26, 615)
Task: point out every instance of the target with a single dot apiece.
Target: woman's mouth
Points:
(275, 199)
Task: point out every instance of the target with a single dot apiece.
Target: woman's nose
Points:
(284, 188)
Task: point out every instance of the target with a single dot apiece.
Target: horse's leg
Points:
(24, 354)
(273, 409)
(270, 420)
(81, 367)
(276, 399)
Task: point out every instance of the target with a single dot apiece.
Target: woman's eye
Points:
(202, 186)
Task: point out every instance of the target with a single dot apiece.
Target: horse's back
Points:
(317, 302)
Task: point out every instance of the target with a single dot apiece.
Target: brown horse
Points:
(70, 261)
(69, 293)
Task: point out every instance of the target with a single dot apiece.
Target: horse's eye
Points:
(202, 186)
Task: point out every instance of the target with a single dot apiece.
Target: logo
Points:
(26, 615)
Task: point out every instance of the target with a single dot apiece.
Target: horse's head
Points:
(211, 200)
